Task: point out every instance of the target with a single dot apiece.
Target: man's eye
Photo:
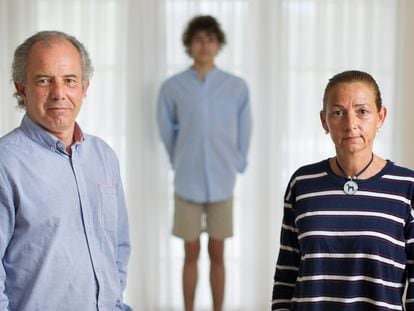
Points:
(70, 82)
(42, 82)
(338, 113)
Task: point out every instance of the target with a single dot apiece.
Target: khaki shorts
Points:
(190, 219)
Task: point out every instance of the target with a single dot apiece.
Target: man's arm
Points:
(7, 219)
(124, 245)
(167, 122)
(244, 130)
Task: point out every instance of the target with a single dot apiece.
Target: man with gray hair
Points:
(64, 240)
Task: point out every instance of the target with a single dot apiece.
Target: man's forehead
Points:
(54, 57)
(53, 43)
(204, 33)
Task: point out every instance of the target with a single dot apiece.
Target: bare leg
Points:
(192, 250)
(215, 250)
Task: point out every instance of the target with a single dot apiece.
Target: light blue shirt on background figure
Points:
(64, 239)
(205, 126)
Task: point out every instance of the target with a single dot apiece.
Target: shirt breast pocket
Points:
(109, 206)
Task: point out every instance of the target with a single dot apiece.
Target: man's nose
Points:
(57, 90)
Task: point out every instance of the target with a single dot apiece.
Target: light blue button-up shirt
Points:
(205, 126)
(64, 240)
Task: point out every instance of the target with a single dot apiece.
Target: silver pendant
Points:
(350, 187)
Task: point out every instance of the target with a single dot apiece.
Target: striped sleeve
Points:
(409, 236)
(287, 266)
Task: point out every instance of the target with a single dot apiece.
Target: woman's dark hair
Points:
(205, 23)
(353, 76)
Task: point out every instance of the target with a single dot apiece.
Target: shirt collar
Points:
(78, 136)
(45, 139)
(209, 74)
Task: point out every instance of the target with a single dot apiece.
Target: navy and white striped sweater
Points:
(346, 252)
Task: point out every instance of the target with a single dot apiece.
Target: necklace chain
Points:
(355, 176)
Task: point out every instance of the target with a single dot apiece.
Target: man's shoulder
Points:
(231, 80)
(99, 145)
(15, 146)
(231, 76)
(182, 75)
(97, 142)
(95, 139)
(13, 138)
(177, 82)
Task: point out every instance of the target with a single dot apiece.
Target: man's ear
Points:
(85, 85)
(20, 89)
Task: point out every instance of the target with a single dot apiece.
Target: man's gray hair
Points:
(19, 66)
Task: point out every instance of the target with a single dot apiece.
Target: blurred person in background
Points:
(205, 124)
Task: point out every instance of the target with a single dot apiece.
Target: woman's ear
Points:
(382, 114)
(322, 115)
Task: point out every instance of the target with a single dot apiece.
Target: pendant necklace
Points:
(350, 187)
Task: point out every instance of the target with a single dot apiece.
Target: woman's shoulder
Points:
(394, 169)
(313, 168)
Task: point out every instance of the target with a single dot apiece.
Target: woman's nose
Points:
(352, 121)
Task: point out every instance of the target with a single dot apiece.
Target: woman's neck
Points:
(361, 165)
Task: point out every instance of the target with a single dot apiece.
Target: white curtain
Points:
(285, 49)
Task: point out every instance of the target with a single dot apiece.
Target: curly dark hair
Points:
(202, 23)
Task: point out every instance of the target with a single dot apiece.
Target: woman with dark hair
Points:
(347, 234)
